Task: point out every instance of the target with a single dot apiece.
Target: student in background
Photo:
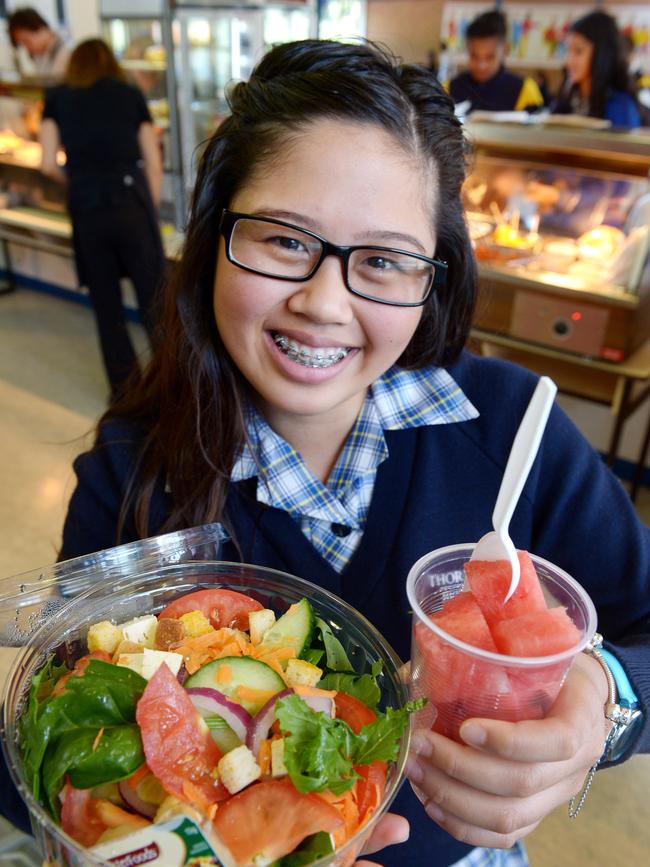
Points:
(47, 51)
(114, 175)
(598, 83)
(486, 84)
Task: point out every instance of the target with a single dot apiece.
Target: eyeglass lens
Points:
(282, 251)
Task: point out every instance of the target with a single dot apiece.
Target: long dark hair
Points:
(189, 402)
(608, 67)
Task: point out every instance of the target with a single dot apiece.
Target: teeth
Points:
(307, 355)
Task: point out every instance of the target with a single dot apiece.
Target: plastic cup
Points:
(460, 681)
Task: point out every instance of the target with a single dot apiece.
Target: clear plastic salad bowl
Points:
(146, 588)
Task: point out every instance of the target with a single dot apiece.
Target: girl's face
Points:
(579, 54)
(352, 184)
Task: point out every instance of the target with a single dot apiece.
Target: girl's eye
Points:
(284, 242)
(379, 263)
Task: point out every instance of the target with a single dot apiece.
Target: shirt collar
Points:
(398, 400)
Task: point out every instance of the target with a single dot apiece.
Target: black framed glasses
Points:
(273, 248)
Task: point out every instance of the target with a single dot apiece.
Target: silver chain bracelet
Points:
(577, 801)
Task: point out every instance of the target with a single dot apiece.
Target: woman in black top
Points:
(114, 174)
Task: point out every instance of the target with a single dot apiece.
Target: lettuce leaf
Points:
(320, 753)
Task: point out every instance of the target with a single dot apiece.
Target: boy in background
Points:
(486, 84)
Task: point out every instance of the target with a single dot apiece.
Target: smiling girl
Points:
(311, 393)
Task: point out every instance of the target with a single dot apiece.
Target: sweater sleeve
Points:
(103, 474)
(575, 513)
(587, 523)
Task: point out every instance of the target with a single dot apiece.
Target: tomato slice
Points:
(221, 607)
(370, 788)
(77, 816)
(177, 744)
(352, 711)
(269, 819)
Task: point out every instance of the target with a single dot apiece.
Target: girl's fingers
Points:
(473, 835)
(390, 829)
(506, 817)
(477, 769)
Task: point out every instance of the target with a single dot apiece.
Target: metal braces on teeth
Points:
(318, 360)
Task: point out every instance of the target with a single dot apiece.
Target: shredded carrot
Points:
(313, 690)
(223, 675)
(264, 757)
(249, 693)
(212, 811)
(346, 806)
(100, 734)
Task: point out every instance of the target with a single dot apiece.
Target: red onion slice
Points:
(211, 701)
(265, 717)
(132, 799)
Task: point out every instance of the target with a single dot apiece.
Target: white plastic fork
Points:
(497, 544)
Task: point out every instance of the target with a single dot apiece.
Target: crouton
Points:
(237, 769)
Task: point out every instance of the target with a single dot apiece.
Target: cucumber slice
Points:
(294, 629)
(223, 736)
(247, 681)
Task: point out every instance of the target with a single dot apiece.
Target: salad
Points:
(256, 728)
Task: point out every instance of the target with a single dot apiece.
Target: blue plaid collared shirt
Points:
(333, 515)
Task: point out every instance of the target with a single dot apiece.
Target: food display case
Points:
(560, 222)
(140, 35)
(219, 43)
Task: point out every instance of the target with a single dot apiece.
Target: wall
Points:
(410, 28)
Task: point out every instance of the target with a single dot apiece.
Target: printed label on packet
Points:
(179, 842)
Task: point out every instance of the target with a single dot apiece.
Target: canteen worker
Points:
(114, 176)
(47, 51)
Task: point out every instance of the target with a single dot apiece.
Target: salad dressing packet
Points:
(178, 842)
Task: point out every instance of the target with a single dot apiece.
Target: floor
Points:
(52, 389)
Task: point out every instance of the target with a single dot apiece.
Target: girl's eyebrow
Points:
(389, 237)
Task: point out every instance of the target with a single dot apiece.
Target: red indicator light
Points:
(576, 316)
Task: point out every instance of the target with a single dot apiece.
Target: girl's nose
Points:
(324, 298)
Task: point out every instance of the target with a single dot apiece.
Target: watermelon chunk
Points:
(461, 617)
(451, 678)
(489, 581)
(539, 633)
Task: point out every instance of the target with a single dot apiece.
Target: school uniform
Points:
(114, 221)
(505, 91)
(434, 445)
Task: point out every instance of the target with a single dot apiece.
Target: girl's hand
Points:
(511, 775)
(391, 829)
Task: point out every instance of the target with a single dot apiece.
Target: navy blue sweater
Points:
(438, 487)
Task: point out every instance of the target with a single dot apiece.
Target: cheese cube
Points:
(131, 660)
(238, 768)
(302, 673)
(141, 630)
(104, 636)
(278, 767)
(259, 623)
(153, 659)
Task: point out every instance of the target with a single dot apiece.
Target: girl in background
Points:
(114, 175)
(597, 83)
